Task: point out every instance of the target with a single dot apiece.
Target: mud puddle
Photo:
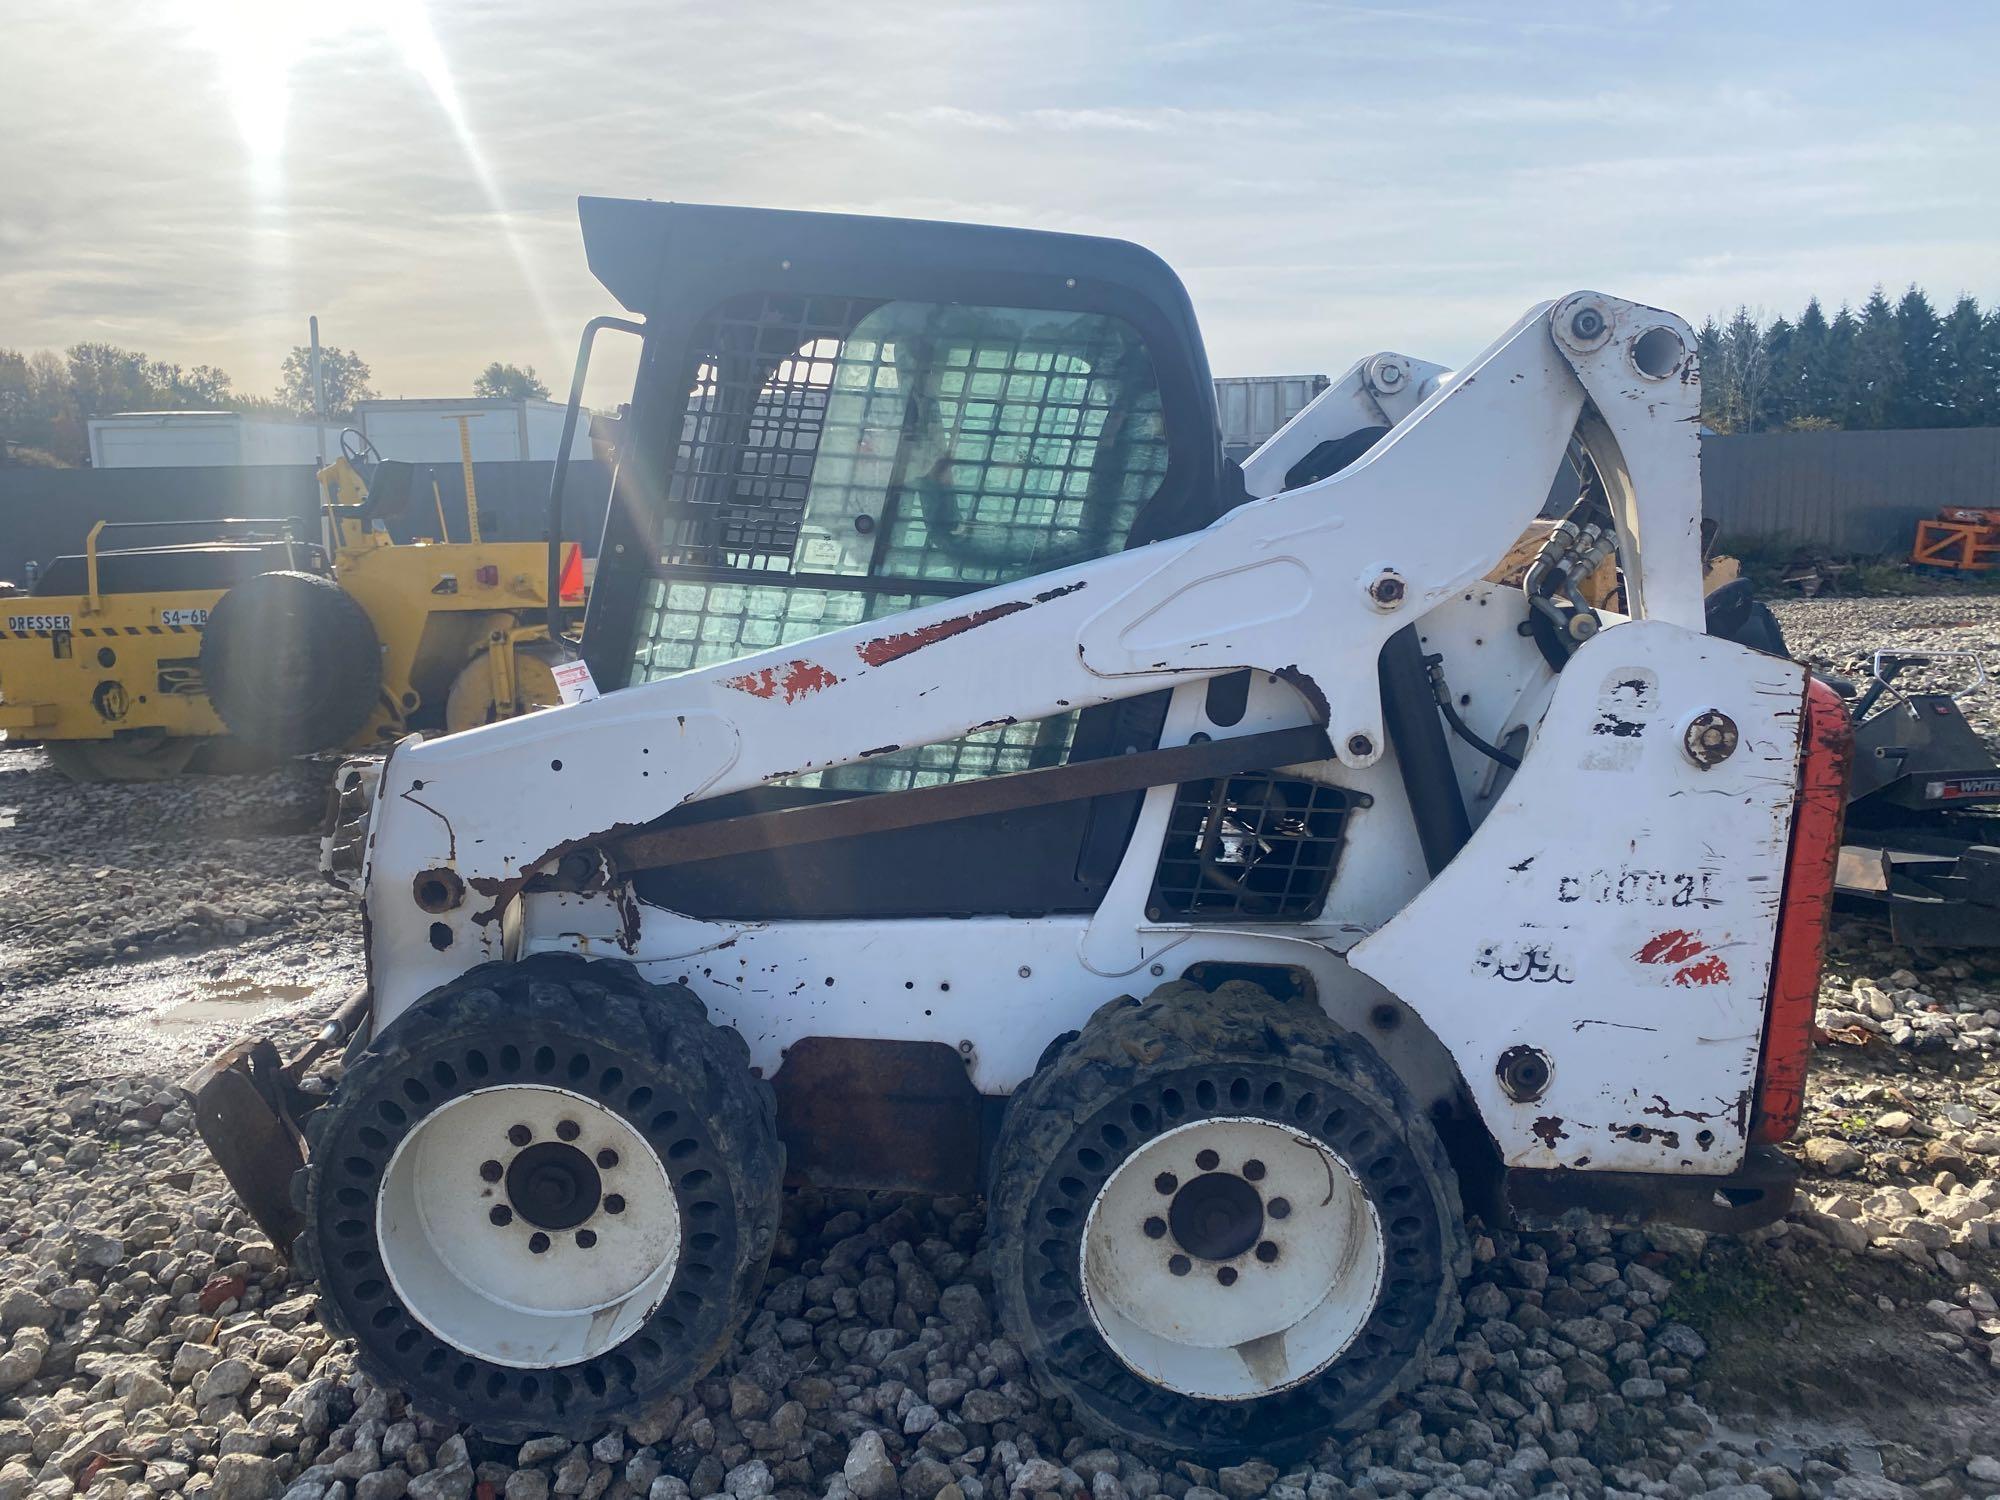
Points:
(169, 1013)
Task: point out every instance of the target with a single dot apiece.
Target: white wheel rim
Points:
(545, 1288)
(1231, 1258)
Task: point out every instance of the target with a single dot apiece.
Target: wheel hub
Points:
(1217, 1216)
(528, 1225)
(553, 1185)
(1231, 1258)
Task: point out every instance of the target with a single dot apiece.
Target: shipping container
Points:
(1251, 408)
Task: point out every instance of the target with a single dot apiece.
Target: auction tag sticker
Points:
(574, 682)
(184, 617)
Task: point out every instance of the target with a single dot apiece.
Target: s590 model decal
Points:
(1518, 964)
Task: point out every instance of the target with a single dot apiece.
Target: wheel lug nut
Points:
(585, 1238)
(1254, 1170)
(1208, 1161)
(568, 1130)
(1279, 1208)
(500, 1214)
(1180, 1265)
(614, 1204)
(538, 1242)
(1267, 1251)
(490, 1171)
(1156, 1228)
(1226, 1275)
(1166, 1182)
(607, 1158)
(519, 1135)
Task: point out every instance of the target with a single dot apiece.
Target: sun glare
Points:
(260, 45)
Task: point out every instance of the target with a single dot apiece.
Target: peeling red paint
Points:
(1711, 970)
(794, 680)
(806, 677)
(1675, 946)
(887, 648)
(758, 684)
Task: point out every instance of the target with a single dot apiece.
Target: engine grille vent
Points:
(1257, 847)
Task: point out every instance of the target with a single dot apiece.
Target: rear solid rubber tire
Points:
(1097, 1102)
(291, 663)
(123, 758)
(646, 1052)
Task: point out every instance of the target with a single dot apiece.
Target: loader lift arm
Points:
(1308, 584)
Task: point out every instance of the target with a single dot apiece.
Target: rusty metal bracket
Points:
(1757, 1193)
(246, 1106)
(964, 799)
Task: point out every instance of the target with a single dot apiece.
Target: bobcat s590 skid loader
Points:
(992, 790)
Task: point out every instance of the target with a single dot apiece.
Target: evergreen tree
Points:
(1842, 334)
(1969, 363)
(1718, 389)
(1875, 379)
(1812, 392)
(1920, 398)
(1781, 387)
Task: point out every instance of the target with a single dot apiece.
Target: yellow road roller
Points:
(237, 642)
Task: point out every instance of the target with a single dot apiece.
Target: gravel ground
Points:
(1841, 636)
(155, 1344)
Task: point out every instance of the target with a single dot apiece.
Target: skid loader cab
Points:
(839, 418)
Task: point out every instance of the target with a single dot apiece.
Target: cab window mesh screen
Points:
(836, 455)
(980, 444)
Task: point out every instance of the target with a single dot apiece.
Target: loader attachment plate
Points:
(239, 1110)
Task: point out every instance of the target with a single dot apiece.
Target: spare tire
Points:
(291, 663)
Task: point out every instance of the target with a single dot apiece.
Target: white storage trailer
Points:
(425, 431)
(193, 439)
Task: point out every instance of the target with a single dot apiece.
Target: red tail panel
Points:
(1809, 871)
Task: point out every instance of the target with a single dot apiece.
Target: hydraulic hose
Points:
(1423, 756)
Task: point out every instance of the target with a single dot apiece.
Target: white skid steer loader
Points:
(993, 790)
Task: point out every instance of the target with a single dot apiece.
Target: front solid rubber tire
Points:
(1141, 1070)
(646, 1053)
(291, 663)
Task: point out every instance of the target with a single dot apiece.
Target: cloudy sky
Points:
(193, 177)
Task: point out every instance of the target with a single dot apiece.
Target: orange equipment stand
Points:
(1961, 539)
